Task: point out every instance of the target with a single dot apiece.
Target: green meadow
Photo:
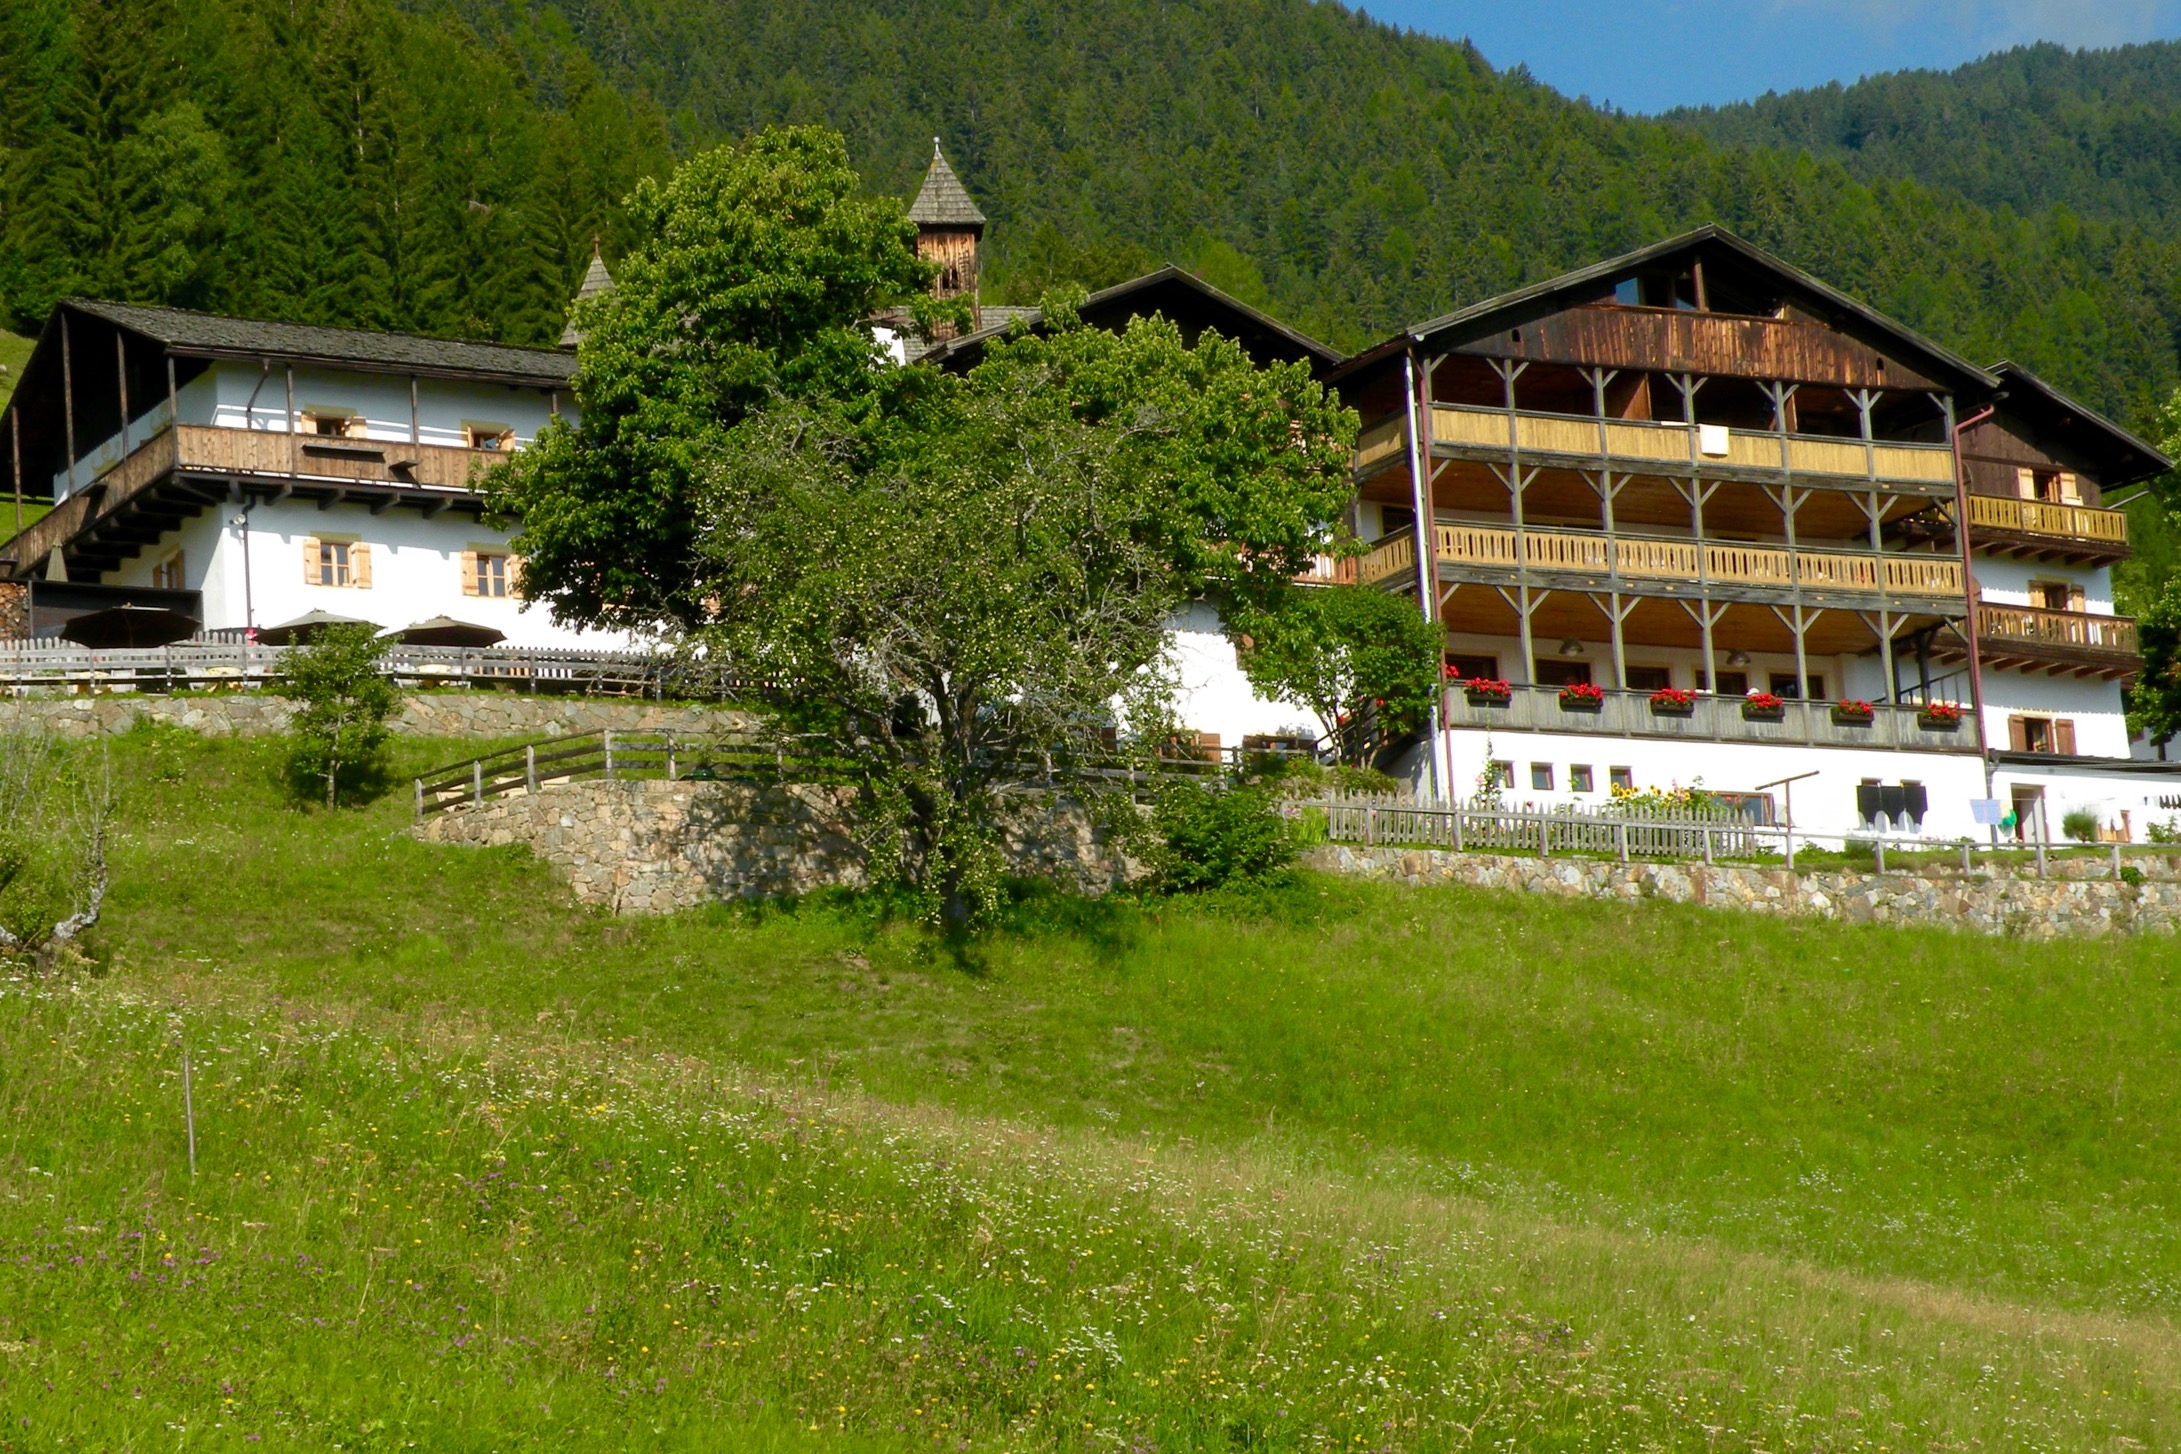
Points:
(1331, 1165)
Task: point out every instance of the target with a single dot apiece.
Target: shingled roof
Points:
(596, 280)
(212, 335)
(943, 201)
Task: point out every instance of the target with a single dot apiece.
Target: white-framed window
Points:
(326, 422)
(489, 573)
(336, 561)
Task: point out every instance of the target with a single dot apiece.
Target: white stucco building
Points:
(250, 472)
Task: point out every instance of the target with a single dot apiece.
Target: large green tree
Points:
(1365, 661)
(961, 584)
(752, 277)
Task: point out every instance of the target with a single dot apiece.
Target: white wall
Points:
(1823, 804)
(2006, 582)
(381, 398)
(416, 571)
(2095, 707)
(1215, 694)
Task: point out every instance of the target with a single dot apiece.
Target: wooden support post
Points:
(174, 404)
(1620, 838)
(1707, 845)
(1370, 824)
(295, 447)
(15, 454)
(1544, 835)
(1425, 534)
(1878, 855)
(121, 369)
(1457, 827)
(416, 433)
(68, 400)
(530, 769)
(1967, 866)
(2116, 863)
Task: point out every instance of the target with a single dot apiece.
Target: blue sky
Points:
(1647, 55)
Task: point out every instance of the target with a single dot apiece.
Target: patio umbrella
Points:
(446, 631)
(306, 628)
(128, 625)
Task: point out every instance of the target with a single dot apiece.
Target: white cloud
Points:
(1983, 25)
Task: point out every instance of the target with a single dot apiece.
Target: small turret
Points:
(596, 280)
(948, 229)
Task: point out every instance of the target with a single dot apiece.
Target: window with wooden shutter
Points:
(310, 560)
(469, 572)
(2018, 733)
(359, 566)
(2070, 490)
(2063, 736)
(2025, 483)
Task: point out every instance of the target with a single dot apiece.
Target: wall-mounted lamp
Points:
(1571, 647)
(1737, 657)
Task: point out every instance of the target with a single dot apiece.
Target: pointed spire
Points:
(943, 201)
(596, 280)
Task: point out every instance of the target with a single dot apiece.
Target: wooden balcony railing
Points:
(2068, 630)
(1716, 719)
(1654, 558)
(213, 450)
(2037, 517)
(1672, 446)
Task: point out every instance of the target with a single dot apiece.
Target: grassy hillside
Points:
(1343, 1165)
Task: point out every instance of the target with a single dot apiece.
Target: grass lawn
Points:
(1346, 1165)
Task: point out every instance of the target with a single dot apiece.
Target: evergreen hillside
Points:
(2098, 132)
(445, 165)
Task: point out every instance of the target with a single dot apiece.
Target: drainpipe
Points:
(1427, 585)
(1969, 584)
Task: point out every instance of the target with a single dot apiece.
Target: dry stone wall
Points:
(655, 846)
(423, 714)
(2080, 898)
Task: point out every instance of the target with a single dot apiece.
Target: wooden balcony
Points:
(1639, 562)
(1713, 719)
(1671, 449)
(2038, 529)
(183, 470)
(2074, 643)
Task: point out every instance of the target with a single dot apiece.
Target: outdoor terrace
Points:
(1665, 565)
(1709, 718)
(1762, 456)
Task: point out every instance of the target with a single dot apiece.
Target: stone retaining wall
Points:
(423, 714)
(653, 846)
(2070, 902)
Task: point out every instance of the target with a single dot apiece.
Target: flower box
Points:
(1487, 692)
(1763, 707)
(1673, 702)
(1581, 697)
(1939, 717)
(1854, 714)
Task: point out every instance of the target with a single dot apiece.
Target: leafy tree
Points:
(2154, 699)
(342, 703)
(964, 582)
(1365, 661)
(754, 275)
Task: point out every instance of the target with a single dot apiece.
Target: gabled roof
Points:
(943, 201)
(2121, 457)
(1177, 294)
(1718, 247)
(213, 335)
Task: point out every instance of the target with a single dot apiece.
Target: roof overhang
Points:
(2119, 456)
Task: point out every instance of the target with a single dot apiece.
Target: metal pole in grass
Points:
(477, 781)
(530, 770)
(420, 799)
(1878, 854)
(2116, 863)
(189, 1111)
